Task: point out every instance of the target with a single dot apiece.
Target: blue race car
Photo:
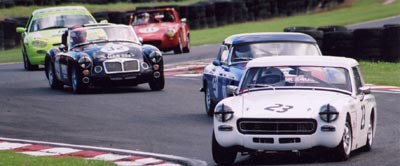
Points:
(237, 50)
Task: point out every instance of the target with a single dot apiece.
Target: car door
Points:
(215, 73)
(360, 107)
(61, 66)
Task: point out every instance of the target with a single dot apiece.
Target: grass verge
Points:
(13, 158)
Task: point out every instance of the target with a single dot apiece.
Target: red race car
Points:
(162, 28)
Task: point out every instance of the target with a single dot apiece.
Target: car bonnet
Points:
(289, 103)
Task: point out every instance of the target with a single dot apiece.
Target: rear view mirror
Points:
(365, 90)
(62, 48)
(216, 63)
(232, 90)
(183, 20)
(20, 30)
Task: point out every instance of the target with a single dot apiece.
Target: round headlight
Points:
(155, 56)
(170, 32)
(85, 62)
(223, 113)
(328, 113)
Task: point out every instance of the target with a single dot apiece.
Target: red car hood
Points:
(153, 29)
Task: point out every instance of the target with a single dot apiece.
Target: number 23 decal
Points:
(280, 108)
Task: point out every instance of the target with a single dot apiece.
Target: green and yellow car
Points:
(44, 29)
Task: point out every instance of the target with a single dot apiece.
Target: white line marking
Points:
(39, 153)
(146, 161)
(127, 163)
(109, 157)
(10, 146)
(168, 164)
(60, 151)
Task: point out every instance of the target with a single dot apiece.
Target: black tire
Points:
(157, 84)
(208, 103)
(53, 81)
(179, 49)
(27, 64)
(78, 87)
(222, 155)
(370, 134)
(343, 150)
(187, 48)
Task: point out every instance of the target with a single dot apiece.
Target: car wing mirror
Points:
(140, 40)
(20, 29)
(216, 63)
(365, 90)
(62, 48)
(232, 90)
(183, 20)
(104, 21)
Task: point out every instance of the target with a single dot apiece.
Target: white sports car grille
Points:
(277, 126)
(121, 66)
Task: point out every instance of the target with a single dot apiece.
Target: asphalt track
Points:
(172, 121)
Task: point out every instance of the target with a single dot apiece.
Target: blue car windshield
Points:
(245, 52)
(59, 21)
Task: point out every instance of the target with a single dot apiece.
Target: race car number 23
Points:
(280, 108)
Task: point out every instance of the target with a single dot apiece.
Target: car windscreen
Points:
(245, 52)
(297, 76)
(59, 21)
(90, 35)
(153, 17)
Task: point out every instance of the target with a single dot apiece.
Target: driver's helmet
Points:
(243, 51)
(272, 76)
(78, 36)
(143, 18)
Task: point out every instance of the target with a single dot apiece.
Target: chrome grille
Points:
(277, 126)
(121, 66)
(131, 66)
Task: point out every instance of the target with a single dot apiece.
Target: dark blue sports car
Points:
(103, 55)
(237, 50)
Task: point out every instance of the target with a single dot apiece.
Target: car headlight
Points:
(39, 43)
(170, 32)
(85, 62)
(328, 113)
(155, 56)
(223, 113)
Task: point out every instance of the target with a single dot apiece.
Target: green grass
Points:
(381, 73)
(12, 55)
(360, 11)
(12, 158)
(120, 6)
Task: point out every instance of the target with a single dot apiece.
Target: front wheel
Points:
(77, 85)
(178, 49)
(343, 150)
(208, 103)
(370, 134)
(157, 84)
(222, 155)
(27, 64)
(53, 81)
(187, 48)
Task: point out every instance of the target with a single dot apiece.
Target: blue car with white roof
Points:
(237, 50)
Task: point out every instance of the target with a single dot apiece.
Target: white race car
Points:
(291, 103)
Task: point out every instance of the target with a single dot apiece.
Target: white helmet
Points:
(272, 76)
